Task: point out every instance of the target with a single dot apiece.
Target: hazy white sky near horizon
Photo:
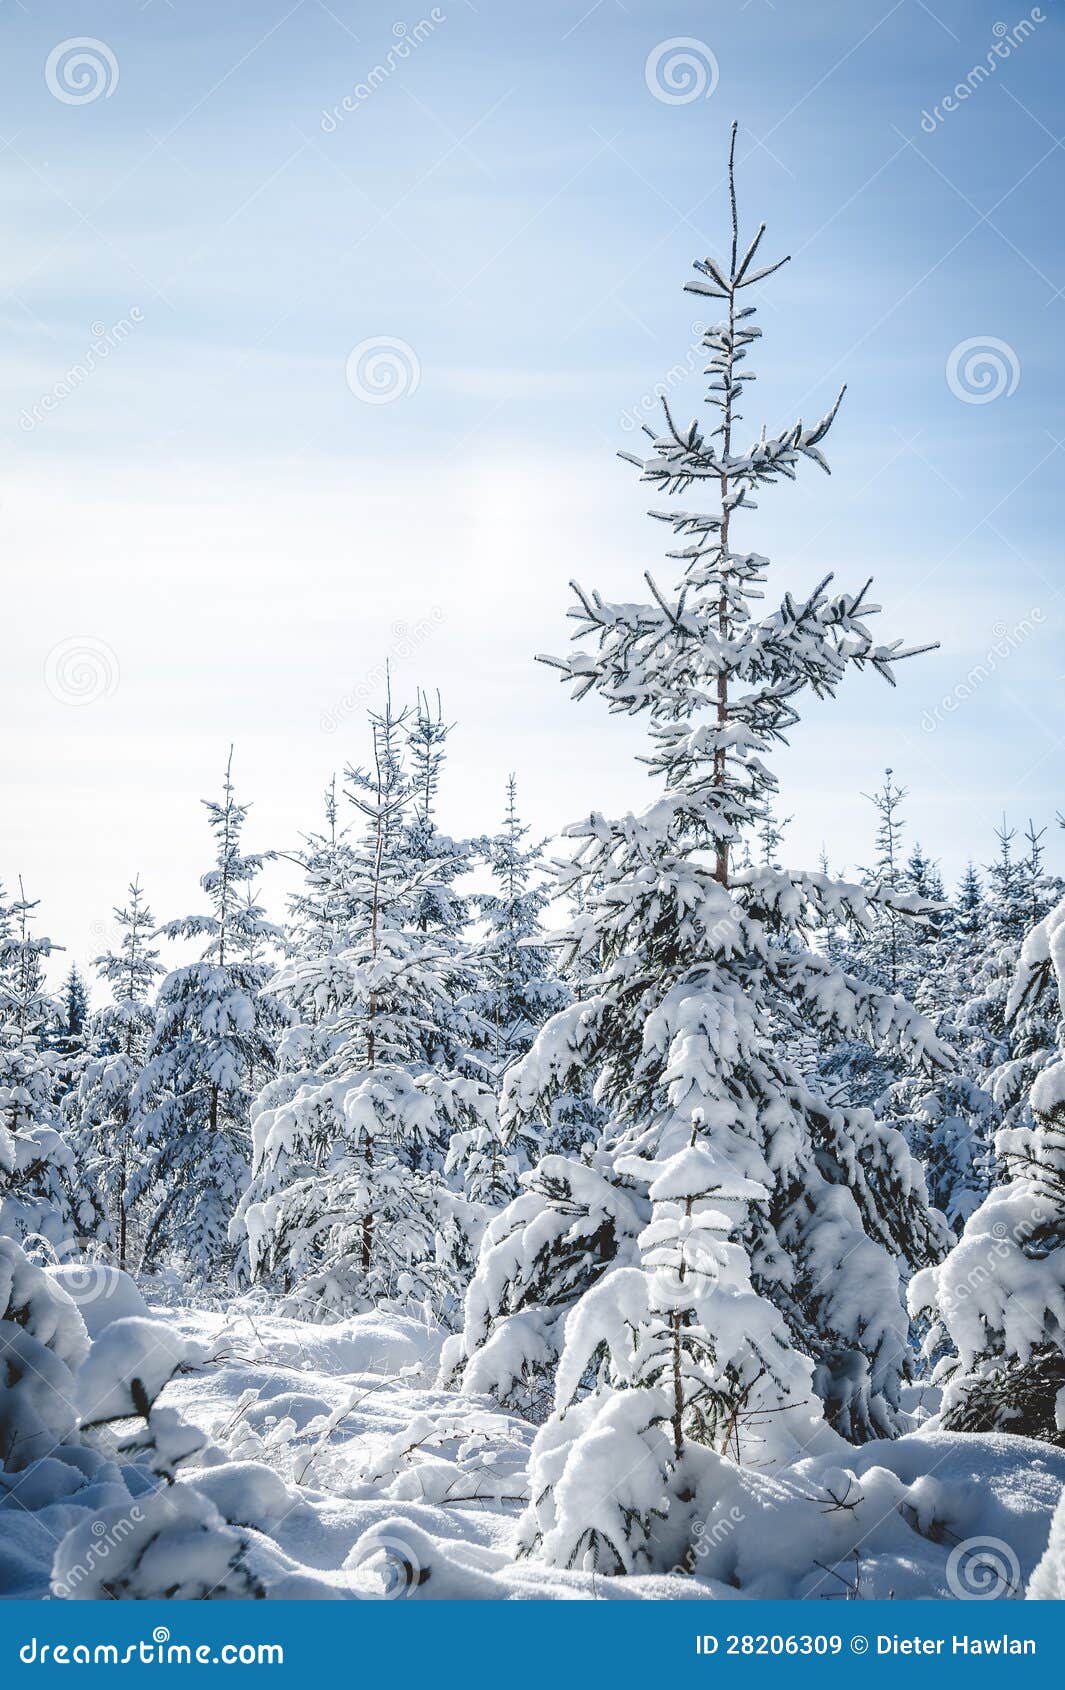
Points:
(240, 541)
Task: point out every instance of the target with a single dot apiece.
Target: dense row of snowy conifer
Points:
(695, 1157)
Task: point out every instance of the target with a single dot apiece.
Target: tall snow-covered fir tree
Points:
(39, 1193)
(69, 1041)
(348, 1197)
(730, 1260)
(213, 1039)
(101, 1111)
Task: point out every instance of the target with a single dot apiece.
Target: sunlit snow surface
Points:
(353, 1477)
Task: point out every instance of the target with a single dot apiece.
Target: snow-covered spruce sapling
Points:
(213, 1039)
(348, 1192)
(73, 1415)
(69, 1036)
(1031, 1025)
(39, 1188)
(1019, 893)
(437, 905)
(688, 1363)
(997, 1303)
(101, 1110)
(517, 990)
(950, 1121)
(320, 911)
(677, 1025)
(896, 954)
(887, 870)
(130, 1364)
(520, 988)
(28, 1015)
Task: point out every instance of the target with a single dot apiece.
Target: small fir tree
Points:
(214, 1036)
(39, 1196)
(349, 1206)
(102, 1111)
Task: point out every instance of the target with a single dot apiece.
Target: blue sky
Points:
(210, 536)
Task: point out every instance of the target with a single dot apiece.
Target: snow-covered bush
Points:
(131, 1360)
(171, 1545)
(43, 1342)
(100, 1293)
(65, 1411)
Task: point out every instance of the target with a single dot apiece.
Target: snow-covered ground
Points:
(338, 1470)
